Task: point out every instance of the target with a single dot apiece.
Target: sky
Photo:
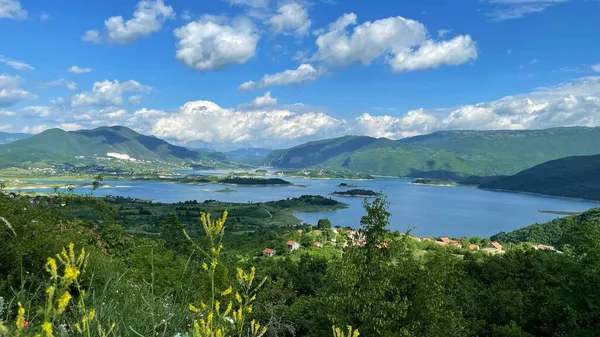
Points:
(265, 73)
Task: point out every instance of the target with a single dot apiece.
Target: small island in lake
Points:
(434, 182)
(226, 190)
(345, 185)
(360, 193)
(254, 181)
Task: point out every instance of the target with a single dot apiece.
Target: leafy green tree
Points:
(324, 223)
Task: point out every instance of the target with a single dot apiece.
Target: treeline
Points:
(254, 181)
(145, 284)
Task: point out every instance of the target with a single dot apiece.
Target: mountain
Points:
(575, 177)
(7, 137)
(117, 140)
(249, 156)
(443, 154)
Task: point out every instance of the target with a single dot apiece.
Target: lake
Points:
(427, 210)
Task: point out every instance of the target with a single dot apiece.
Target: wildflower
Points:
(92, 314)
(227, 292)
(20, 322)
(51, 268)
(204, 266)
(47, 329)
(71, 274)
(238, 297)
(63, 301)
(25, 323)
(192, 308)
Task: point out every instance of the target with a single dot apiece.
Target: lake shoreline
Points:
(539, 194)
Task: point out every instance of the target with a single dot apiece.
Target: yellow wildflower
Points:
(238, 297)
(63, 301)
(92, 314)
(47, 329)
(71, 273)
(20, 322)
(204, 266)
(192, 308)
(227, 292)
(51, 268)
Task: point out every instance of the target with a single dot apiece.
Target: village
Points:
(316, 237)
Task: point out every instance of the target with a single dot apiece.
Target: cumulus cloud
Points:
(35, 129)
(435, 54)
(11, 92)
(304, 73)
(11, 9)
(36, 110)
(70, 85)
(7, 113)
(403, 43)
(596, 67)
(207, 122)
(71, 126)
(18, 65)
(79, 70)
(568, 104)
(210, 43)
(108, 93)
(291, 18)
(516, 9)
(147, 19)
(264, 100)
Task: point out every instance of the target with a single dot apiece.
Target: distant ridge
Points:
(98, 142)
(8, 137)
(443, 154)
(573, 177)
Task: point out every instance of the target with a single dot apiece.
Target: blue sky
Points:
(233, 73)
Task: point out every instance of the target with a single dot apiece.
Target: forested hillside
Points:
(443, 154)
(575, 177)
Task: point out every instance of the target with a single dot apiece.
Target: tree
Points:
(324, 223)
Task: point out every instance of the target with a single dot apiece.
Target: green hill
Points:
(8, 137)
(553, 233)
(443, 154)
(57, 144)
(249, 156)
(575, 177)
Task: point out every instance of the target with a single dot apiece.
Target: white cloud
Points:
(211, 44)
(134, 100)
(291, 18)
(5, 127)
(18, 65)
(568, 104)
(7, 113)
(147, 19)
(596, 67)
(207, 122)
(516, 9)
(11, 9)
(45, 16)
(92, 36)
(11, 92)
(79, 70)
(70, 85)
(435, 54)
(71, 126)
(108, 93)
(304, 73)
(264, 100)
(36, 110)
(402, 42)
(249, 3)
(35, 129)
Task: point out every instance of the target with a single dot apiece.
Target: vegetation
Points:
(443, 154)
(356, 193)
(574, 177)
(186, 279)
(7, 137)
(434, 182)
(254, 181)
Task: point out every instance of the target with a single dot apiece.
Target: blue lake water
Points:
(427, 210)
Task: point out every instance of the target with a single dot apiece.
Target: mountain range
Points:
(60, 145)
(7, 137)
(443, 154)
